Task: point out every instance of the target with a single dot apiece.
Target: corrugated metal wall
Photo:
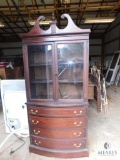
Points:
(112, 40)
(11, 48)
(95, 46)
(95, 50)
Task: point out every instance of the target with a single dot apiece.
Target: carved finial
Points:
(53, 17)
(53, 23)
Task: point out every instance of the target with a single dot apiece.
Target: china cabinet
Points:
(56, 74)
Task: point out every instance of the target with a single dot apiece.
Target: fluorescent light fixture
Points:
(32, 22)
(2, 24)
(65, 1)
(99, 20)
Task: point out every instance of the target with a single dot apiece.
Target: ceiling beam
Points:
(107, 29)
(10, 9)
(5, 17)
(38, 13)
(93, 28)
(24, 5)
(83, 12)
(32, 7)
(17, 8)
(78, 13)
(56, 5)
(14, 33)
(16, 18)
(72, 3)
(116, 6)
(62, 8)
(5, 30)
(71, 13)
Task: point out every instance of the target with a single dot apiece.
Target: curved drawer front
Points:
(44, 122)
(58, 133)
(58, 143)
(57, 112)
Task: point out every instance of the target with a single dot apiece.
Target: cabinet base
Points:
(59, 153)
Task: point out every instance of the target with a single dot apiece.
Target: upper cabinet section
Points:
(56, 62)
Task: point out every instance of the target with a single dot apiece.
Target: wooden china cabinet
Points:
(56, 73)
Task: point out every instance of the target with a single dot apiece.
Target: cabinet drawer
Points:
(44, 122)
(57, 112)
(58, 143)
(58, 133)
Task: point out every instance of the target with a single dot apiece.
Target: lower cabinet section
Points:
(61, 135)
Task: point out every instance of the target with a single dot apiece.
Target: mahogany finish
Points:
(46, 122)
(58, 112)
(58, 133)
(61, 144)
(56, 76)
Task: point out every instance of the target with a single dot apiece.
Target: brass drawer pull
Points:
(36, 132)
(77, 146)
(35, 122)
(78, 124)
(37, 143)
(78, 113)
(79, 134)
(34, 111)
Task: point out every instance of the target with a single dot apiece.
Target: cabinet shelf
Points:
(42, 96)
(69, 63)
(60, 81)
(41, 81)
(39, 64)
(70, 81)
(50, 64)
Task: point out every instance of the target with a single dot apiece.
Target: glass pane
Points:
(40, 71)
(70, 70)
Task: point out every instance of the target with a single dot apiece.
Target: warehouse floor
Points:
(102, 129)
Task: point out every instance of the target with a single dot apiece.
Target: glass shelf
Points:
(39, 64)
(70, 81)
(41, 81)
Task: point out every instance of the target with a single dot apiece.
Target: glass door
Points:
(70, 70)
(40, 71)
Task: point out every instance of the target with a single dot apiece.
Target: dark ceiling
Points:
(16, 13)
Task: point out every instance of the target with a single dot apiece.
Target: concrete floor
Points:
(102, 128)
